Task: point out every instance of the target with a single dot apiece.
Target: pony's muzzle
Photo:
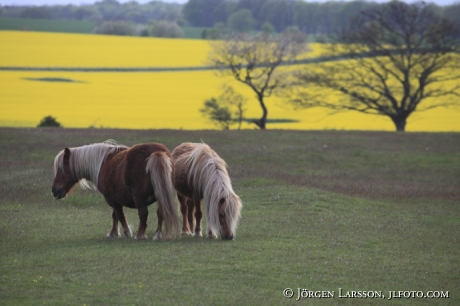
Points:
(227, 237)
(58, 193)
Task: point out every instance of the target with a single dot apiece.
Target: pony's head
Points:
(81, 164)
(64, 179)
(229, 214)
(208, 176)
(223, 208)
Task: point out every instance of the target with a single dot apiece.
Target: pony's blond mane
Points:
(208, 176)
(86, 161)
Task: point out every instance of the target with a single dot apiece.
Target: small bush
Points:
(267, 28)
(115, 28)
(216, 32)
(221, 111)
(296, 34)
(181, 22)
(49, 121)
(211, 33)
(322, 39)
(218, 114)
(144, 33)
(166, 29)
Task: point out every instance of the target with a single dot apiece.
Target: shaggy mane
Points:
(86, 161)
(208, 175)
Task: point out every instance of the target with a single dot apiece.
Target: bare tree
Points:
(256, 60)
(398, 56)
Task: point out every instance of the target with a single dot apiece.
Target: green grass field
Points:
(45, 25)
(192, 32)
(361, 211)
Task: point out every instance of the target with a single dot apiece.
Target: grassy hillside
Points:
(46, 25)
(361, 211)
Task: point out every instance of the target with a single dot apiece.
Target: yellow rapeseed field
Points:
(33, 49)
(145, 99)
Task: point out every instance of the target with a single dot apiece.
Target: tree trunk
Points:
(400, 123)
(262, 121)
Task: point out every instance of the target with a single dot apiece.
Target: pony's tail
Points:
(160, 166)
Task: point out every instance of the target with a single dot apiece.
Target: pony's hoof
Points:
(157, 236)
(212, 236)
(143, 237)
(110, 235)
(197, 234)
(129, 232)
(186, 233)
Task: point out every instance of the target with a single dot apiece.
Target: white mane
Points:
(86, 161)
(209, 176)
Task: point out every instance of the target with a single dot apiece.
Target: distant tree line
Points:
(308, 17)
(236, 15)
(105, 10)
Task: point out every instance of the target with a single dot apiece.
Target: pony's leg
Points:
(184, 209)
(121, 216)
(158, 235)
(143, 215)
(118, 215)
(140, 201)
(211, 235)
(190, 213)
(198, 216)
(114, 232)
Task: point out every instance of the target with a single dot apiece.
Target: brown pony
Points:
(133, 177)
(200, 174)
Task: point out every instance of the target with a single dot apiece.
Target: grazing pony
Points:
(133, 177)
(200, 174)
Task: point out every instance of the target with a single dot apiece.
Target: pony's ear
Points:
(66, 153)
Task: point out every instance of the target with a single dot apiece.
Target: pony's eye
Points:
(221, 216)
